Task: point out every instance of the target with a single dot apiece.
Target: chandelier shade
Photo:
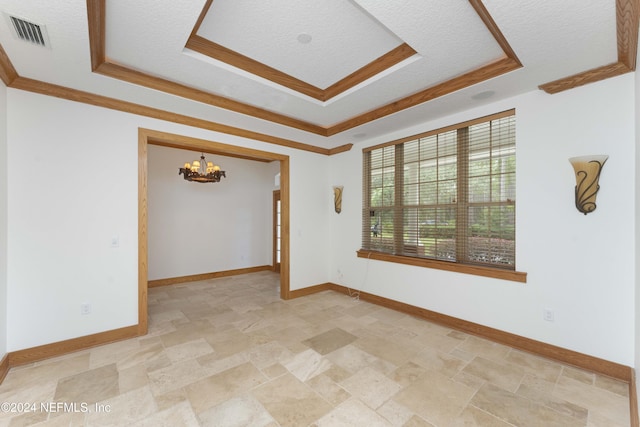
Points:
(201, 171)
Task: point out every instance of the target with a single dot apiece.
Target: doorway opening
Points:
(146, 137)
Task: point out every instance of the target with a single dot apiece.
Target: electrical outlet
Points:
(548, 315)
(85, 308)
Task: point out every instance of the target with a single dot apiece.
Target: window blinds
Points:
(447, 195)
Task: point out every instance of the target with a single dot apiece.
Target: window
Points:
(447, 195)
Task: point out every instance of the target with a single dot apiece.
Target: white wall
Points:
(198, 228)
(3, 220)
(80, 190)
(582, 267)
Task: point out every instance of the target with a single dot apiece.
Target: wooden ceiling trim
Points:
(96, 17)
(207, 146)
(386, 61)
(340, 149)
(627, 16)
(491, 25)
(96, 10)
(586, 77)
(8, 73)
(495, 69)
(213, 50)
(233, 58)
(492, 70)
(216, 51)
(207, 149)
(203, 14)
(627, 12)
(62, 92)
(126, 74)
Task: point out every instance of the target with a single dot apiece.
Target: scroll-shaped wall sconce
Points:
(337, 197)
(587, 169)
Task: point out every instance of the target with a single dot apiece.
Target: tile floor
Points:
(229, 352)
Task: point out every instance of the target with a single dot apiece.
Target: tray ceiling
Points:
(326, 73)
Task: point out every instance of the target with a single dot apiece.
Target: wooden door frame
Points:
(276, 197)
(148, 136)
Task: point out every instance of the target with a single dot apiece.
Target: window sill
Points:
(495, 273)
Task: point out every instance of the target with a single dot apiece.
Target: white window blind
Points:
(447, 195)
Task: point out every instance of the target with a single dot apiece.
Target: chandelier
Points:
(201, 171)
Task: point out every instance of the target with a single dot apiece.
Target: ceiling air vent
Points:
(29, 32)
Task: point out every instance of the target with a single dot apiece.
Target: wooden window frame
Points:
(463, 173)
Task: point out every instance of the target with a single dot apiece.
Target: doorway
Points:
(146, 137)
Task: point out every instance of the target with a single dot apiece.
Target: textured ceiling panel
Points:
(454, 32)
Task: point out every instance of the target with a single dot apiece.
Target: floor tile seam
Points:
(588, 408)
(593, 411)
(473, 395)
(550, 396)
(531, 401)
(392, 398)
(490, 414)
(610, 392)
(391, 421)
(626, 396)
(510, 365)
(311, 389)
(594, 386)
(567, 415)
(451, 354)
(333, 407)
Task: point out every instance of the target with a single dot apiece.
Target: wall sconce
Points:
(337, 197)
(587, 170)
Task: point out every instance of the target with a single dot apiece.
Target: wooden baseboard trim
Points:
(4, 367)
(633, 401)
(310, 290)
(46, 351)
(563, 355)
(207, 276)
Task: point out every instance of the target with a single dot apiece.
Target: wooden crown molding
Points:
(215, 51)
(627, 12)
(10, 77)
(627, 25)
(233, 58)
(62, 92)
(8, 74)
(96, 12)
(481, 74)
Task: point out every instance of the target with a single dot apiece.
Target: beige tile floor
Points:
(229, 352)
